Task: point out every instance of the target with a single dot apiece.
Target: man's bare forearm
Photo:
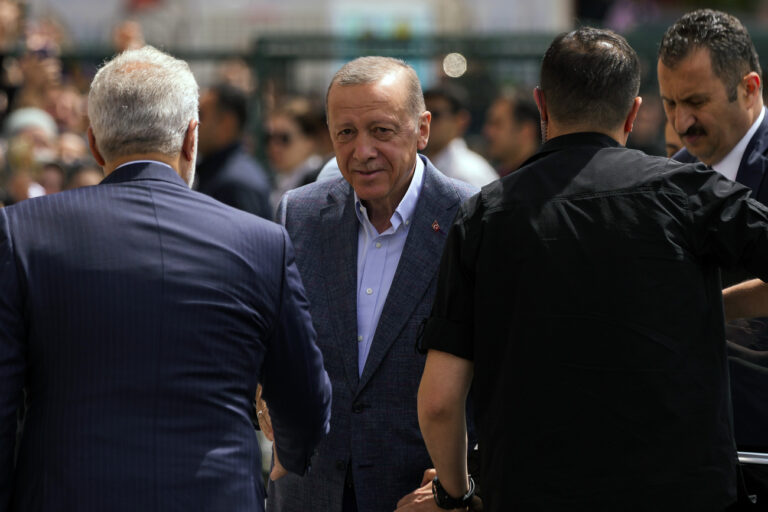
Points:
(746, 300)
(442, 398)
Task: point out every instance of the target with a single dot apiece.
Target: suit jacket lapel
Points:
(417, 267)
(340, 258)
(753, 164)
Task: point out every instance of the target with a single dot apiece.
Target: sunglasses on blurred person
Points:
(280, 138)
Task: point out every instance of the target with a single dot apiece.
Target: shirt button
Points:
(362, 209)
(378, 245)
(360, 338)
(369, 291)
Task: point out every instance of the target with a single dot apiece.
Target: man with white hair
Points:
(139, 316)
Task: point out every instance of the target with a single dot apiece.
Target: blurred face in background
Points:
(287, 146)
(445, 126)
(501, 131)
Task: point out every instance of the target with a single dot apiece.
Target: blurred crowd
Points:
(43, 119)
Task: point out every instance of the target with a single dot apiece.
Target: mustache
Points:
(695, 129)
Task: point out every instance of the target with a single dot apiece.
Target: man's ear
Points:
(423, 129)
(188, 146)
(94, 148)
(541, 102)
(751, 82)
(630, 121)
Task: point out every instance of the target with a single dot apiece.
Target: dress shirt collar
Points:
(144, 170)
(144, 162)
(405, 209)
(729, 166)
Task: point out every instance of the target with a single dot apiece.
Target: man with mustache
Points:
(711, 84)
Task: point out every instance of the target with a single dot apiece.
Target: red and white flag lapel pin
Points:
(435, 226)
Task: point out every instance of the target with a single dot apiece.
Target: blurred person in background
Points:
(512, 131)
(292, 136)
(225, 171)
(648, 133)
(84, 175)
(127, 35)
(73, 148)
(446, 148)
(32, 142)
(51, 177)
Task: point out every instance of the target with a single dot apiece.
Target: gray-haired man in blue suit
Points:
(140, 315)
(368, 246)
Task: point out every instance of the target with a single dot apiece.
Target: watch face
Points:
(448, 502)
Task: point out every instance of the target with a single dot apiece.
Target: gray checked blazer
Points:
(374, 424)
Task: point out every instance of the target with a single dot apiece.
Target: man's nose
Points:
(364, 148)
(683, 119)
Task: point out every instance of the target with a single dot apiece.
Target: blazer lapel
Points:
(753, 164)
(418, 265)
(339, 228)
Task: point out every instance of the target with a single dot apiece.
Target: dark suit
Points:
(374, 426)
(749, 373)
(140, 316)
(234, 178)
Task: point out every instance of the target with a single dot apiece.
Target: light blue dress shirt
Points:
(377, 257)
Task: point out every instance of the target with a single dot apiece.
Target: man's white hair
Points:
(142, 102)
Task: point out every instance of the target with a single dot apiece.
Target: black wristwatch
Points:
(448, 502)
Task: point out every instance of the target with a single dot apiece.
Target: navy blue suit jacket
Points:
(139, 316)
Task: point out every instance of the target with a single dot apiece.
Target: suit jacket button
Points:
(358, 408)
(341, 465)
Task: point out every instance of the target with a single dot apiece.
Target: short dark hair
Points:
(730, 47)
(233, 100)
(590, 76)
(453, 94)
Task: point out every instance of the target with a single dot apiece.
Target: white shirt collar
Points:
(407, 206)
(729, 166)
(144, 162)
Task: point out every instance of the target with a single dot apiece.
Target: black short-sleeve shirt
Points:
(585, 288)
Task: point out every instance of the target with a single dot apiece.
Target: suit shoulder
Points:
(316, 193)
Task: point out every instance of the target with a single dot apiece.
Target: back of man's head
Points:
(730, 47)
(590, 78)
(142, 102)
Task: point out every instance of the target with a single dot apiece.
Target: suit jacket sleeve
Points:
(296, 386)
(12, 359)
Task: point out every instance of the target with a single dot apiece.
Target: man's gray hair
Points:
(367, 70)
(142, 102)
